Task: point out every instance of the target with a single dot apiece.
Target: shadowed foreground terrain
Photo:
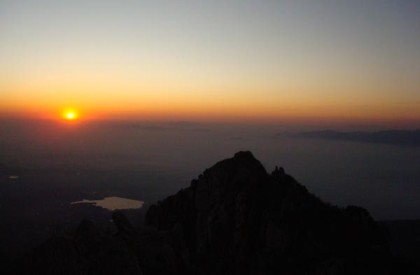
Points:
(234, 219)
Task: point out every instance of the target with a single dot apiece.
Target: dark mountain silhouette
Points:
(234, 219)
(394, 137)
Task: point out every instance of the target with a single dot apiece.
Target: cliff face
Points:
(234, 219)
(237, 219)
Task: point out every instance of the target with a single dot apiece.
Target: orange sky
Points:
(211, 61)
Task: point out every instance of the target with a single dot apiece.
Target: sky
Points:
(244, 60)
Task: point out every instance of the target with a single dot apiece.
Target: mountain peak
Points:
(237, 219)
(244, 155)
(234, 219)
(242, 165)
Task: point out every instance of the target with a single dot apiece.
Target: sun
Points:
(70, 114)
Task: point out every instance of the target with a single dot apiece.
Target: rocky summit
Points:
(234, 219)
(238, 219)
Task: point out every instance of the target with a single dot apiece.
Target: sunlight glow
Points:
(70, 114)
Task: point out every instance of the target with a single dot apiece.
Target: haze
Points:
(148, 160)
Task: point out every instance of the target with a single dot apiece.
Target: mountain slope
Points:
(237, 219)
(234, 219)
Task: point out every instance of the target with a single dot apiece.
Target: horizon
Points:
(108, 107)
(212, 61)
(292, 124)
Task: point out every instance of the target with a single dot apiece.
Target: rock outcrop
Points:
(234, 219)
(237, 219)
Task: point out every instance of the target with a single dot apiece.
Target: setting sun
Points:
(70, 115)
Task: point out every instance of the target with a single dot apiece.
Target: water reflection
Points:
(113, 203)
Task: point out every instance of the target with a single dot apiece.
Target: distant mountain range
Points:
(234, 219)
(394, 137)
